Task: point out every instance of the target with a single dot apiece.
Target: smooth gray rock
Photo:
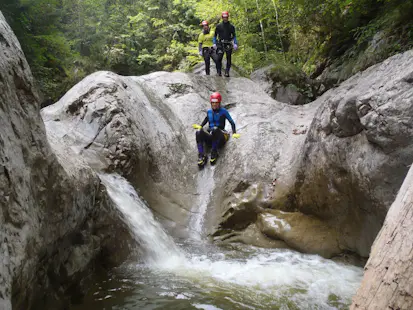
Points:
(328, 163)
(290, 94)
(260, 76)
(152, 115)
(358, 150)
(51, 217)
(327, 172)
(302, 232)
(272, 134)
(117, 123)
(387, 277)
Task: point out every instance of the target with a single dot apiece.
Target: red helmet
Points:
(204, 23)
(225, 14)
(215, 97)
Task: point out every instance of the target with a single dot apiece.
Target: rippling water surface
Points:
(196, 275)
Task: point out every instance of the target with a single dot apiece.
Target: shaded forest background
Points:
(65, 40)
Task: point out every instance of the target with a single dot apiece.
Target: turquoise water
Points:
(231, 277)
(194, 274)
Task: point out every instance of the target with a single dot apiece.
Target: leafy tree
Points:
(64, 40)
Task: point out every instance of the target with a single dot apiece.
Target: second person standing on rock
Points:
(205, 45)
(225, 41)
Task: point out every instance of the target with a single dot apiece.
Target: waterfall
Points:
(205, 185)
(158, 247)
(198, 273)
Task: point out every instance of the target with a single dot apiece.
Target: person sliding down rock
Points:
(215, 135)
(225, 41)
(205, 45)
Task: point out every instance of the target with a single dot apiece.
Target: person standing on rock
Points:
(205, 45)
(215, 135)
(225, 40)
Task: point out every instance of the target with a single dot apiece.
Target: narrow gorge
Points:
(104, 205)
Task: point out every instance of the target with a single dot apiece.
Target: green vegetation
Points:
(65, 40)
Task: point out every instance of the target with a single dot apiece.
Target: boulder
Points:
(318, 178)
(327, 159)
(272, 135)
(301, 232)
(358, 150)
(118, 124)
(387, 275)
(53, 214)
(286, 83)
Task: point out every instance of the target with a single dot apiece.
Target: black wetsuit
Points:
(223, 37)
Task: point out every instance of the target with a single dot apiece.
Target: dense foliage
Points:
(64, 40)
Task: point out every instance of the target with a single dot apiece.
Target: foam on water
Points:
(158, 247)
(254, 279)
(205, 185)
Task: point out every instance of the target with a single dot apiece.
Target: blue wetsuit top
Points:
(217, 119)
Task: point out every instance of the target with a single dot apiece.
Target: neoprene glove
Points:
(236, 135)
(235, 47)
(214, 46)
(196, 126)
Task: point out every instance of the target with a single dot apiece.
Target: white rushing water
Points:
(158, 246)
(205, 185)
(251, 278)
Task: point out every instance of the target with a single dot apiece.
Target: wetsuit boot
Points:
(214, 156)
(201, 160)
(201, 155)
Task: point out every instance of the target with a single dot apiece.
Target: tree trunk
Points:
(262, 28)
(278, 27)
(387, 281)
(246, 16)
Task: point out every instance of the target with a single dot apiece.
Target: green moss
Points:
(178, 88)
(286, 73)
(336, 302)
(290, 76)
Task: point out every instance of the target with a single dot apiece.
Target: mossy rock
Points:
(290, 84)
(286, 73)
(178, 88)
